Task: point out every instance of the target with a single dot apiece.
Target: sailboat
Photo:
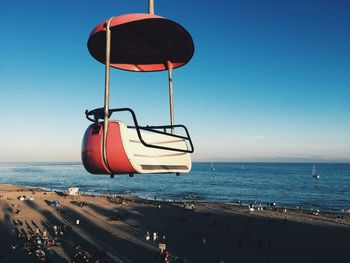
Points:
(315, 173)
(212, 167)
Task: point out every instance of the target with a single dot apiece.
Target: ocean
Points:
(286, 184)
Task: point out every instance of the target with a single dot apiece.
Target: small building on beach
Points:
(73, 191)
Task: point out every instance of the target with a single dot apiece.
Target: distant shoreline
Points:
(290, 186)
(215, 161)
(297, 214)
(182, 201)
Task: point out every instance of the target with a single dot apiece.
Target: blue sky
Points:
(269, 80)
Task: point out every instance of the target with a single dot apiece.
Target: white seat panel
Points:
(152, 160)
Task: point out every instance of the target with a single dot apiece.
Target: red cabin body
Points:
(92, 153)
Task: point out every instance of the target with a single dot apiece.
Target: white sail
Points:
(314, 172)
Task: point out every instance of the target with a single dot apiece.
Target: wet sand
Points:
(114, 230)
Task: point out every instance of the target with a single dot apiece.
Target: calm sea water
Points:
(288, 185)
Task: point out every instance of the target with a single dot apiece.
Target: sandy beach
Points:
(123, 229)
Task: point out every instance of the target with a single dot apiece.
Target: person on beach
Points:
(155, 237)
(167, 257)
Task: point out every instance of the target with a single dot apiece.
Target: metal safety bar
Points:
(99, 114)
(106, 97)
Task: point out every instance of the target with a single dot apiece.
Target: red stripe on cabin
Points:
(117, 159)
(92, 153)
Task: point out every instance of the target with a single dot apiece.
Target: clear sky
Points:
(269, 80)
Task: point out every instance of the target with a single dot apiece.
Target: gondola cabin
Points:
(139, 43)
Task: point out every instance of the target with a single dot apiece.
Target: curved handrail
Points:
(99, 115)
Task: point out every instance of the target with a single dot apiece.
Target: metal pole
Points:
(170, 77)
(151, 7)
(106, 99)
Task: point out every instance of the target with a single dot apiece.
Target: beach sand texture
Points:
(114, 230)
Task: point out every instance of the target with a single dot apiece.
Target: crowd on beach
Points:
(37, 240)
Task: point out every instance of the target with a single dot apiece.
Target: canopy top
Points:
(142, 42)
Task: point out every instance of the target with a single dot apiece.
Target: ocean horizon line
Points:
(204, 161)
